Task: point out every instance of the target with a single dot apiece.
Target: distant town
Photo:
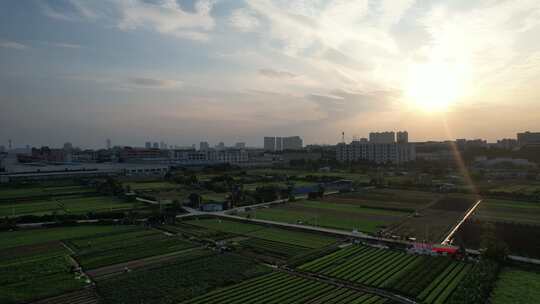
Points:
(381, 148)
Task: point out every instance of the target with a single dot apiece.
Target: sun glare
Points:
(434, 87)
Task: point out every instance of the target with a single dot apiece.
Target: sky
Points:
(235, 71)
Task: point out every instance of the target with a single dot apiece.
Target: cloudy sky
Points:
(230, 70)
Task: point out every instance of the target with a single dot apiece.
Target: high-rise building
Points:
(507, 143)
(68, 146)
(379, 149)
(402, 137)
(155, 145)
(269, 143)
(279, 144)
(528, 138)
(163, 145)
(382, 137)
(220, 146)
(109, 146)
(240, 145)
(292, 143)
(148, 145)
(203, 146)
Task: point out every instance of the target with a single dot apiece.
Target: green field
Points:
(430, 279)
(509, 211)
(157, 185)
(29, 237)
(33, 273)
(526, 189)
(330, 213)
(293, 237)
(38, 190)
(179, 281)
(67, 205)
(113, 248)
(218, 224)
(285, 288)
(516, 287)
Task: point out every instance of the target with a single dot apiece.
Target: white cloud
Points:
(271, 73)
(165, 17)
(12, 45)
(168, 17)
(244, 20)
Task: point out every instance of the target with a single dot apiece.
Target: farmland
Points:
(369, 211)
(292, 237)
(330, 213)
(67, 205)
(430, 279)
(113, 248)
(517, 286)
(521, 239)
(178, 281)
(433, 223)
(498, 210)
(284, 288)
(29, 237)
(40, 275)
(9, 194)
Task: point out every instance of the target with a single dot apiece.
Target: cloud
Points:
(244, 20)
(341, 104)
(165, 17)
(123, 83)
(12, 45)
(276, 74)
(71, 10)
(64, 45)
(153, 83)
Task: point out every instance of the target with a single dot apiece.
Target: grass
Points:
(10, 239)
(517, 287)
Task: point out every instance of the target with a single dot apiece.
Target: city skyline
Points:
(186, 71)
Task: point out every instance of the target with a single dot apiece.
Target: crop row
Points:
(430, 279)
(273, 248)
(284, 288)
(94, 252)
(180, 281)
(293, 237)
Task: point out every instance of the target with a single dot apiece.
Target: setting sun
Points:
(435, 86)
